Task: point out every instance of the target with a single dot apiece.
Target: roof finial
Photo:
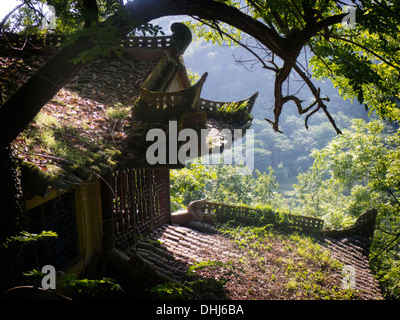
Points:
(181, 36)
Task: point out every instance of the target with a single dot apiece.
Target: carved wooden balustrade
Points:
(141, 203)
(236, 110)
(153, 105)
(243, 214)
(50, 40)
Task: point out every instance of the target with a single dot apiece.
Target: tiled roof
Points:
(351, 246)
(88, 124)
(80, 131)
(171, 249)
(352, 252)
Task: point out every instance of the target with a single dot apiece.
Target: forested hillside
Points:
(288, 152)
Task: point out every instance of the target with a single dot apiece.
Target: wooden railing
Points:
(253, 216)
(31, 41)
(54, 40)
(153, 105)
(217, 106)
(148, 42)
(234, 109)
(141, 203)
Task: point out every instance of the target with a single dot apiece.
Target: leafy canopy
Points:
(357, 171)
(71, 16)
(222, 183)
(363, 62)
(362, 59)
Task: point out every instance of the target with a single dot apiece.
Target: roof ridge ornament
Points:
(364, 226)
(181, 37)
(179, 40)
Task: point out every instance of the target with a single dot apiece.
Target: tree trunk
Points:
(12, 218)
(90, 12)
(24, 105)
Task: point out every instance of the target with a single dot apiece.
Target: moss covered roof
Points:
(80, 131)
(258, 256)
(89, 127)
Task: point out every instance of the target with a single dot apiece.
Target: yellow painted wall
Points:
(88, 220)
(38, 200)
(89, 223)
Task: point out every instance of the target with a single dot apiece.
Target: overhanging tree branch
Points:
(215, 26)
(367, 50)
(7, 16)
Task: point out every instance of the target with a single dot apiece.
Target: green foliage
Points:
(282, 17)
(227, 35)
(222, 183)
(196, 287)
(89, 288)
(68, 143)
(207, 264)
(118, 112)
(148, 29)
(70, 286)
(352, 173)
(363, 61)
(303, 267)
(171, 291)
(12, 251)
(288, 153)
(26, 237)
(388, 271)
(356, 171)
(70, 18)
(193, 76)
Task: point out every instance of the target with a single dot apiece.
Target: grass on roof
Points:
(274, 265)
(52, 141)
